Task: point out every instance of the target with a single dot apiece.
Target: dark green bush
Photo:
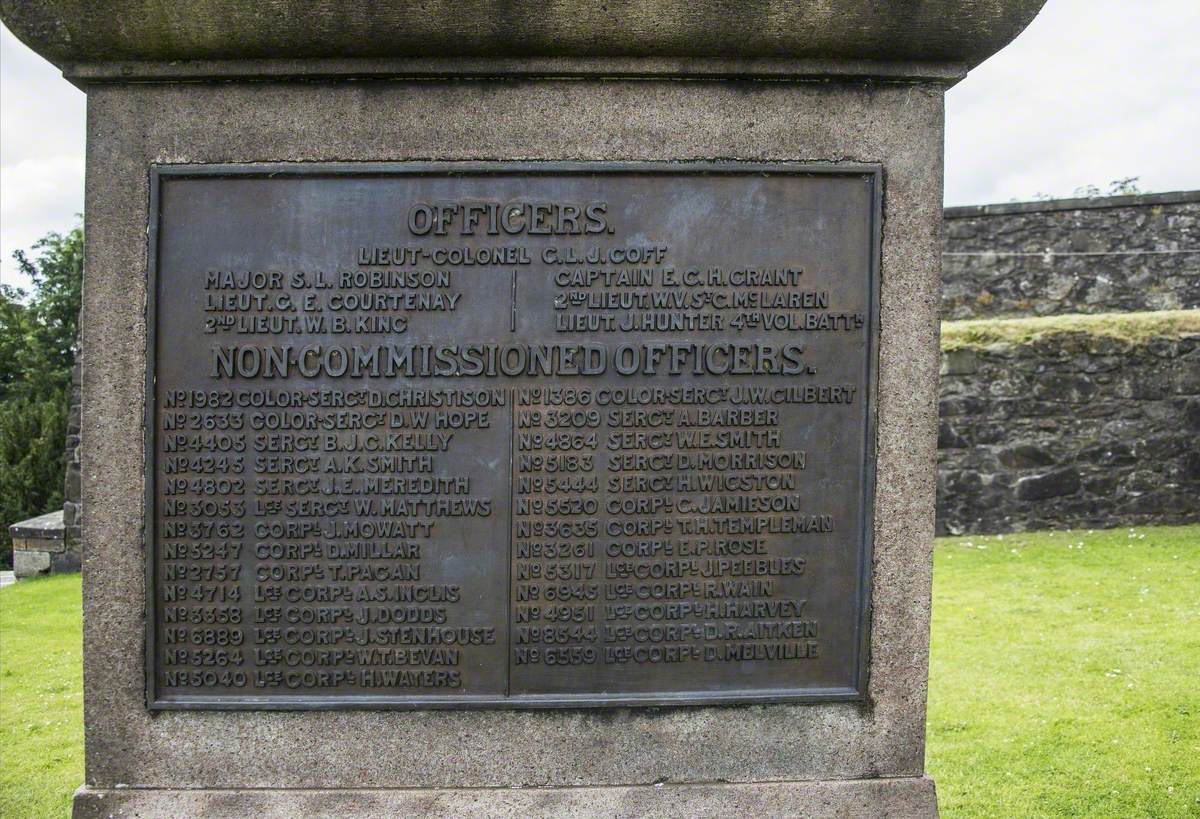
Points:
(38, 346)
(32, 433)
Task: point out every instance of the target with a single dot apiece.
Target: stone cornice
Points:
(97, 40)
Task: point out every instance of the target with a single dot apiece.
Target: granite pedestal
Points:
(203, 82)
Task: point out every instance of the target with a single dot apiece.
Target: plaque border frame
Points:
(159, 172)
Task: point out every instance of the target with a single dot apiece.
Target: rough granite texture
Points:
(1071, 430)
(908, 798)
(131, 126)
(962, 31)
(1105, 255)
(72, 510)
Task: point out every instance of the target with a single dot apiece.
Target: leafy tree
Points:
(38, 333)
(32, 438)
(48, 351)
(14, 330)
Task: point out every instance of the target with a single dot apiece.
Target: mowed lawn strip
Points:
(1063, 680)
(41, 697)
(1065, 674)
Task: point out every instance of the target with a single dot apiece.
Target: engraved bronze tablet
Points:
(527, 435)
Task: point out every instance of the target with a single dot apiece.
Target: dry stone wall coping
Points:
(1101, 255)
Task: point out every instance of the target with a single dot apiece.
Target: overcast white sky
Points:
(1092, 91)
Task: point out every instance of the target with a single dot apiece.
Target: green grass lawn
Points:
(1065, 679)
(41, 697)
(1065, 674)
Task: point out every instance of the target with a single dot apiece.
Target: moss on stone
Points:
(1131, 328)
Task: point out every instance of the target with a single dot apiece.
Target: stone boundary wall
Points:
(1069, 430)
(1100, 255)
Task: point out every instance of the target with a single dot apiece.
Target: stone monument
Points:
(510, 409)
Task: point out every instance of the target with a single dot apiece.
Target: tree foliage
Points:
(39, 329)
(1118, 187)
(38, 346)
(1126, 186)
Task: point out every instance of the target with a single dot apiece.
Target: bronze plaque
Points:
(532, 435)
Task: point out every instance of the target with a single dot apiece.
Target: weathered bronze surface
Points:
(510, 435)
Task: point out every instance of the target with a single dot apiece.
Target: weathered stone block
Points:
(1076, 388)
(1191, 466)
(1191, 414)
(961, 405)
(1025, 456)
(1102, 485)
(958, 362)
(30, 562)
(1112, 453)
(948, 438)
(1048, 485)
(1141, 482)
(1186, 379)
